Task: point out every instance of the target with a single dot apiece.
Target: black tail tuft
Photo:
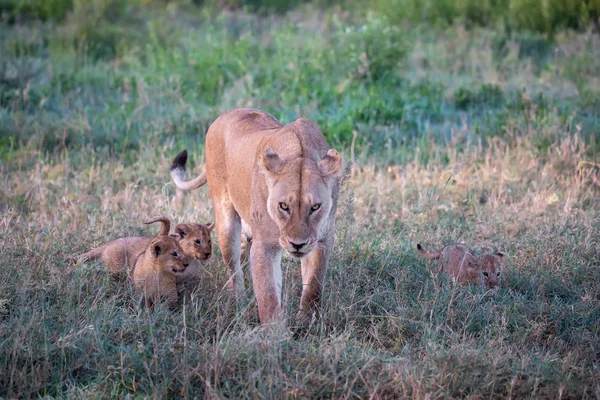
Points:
(419, 247)
(179, 161)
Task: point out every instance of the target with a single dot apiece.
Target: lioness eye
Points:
(198, 242)
(284, 206)
(315, 206)
(174, 254)
(485, 274)
(498, 274)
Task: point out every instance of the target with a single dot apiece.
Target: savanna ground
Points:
(462, 129)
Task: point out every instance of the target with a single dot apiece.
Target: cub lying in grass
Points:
(154, 263)
(120, 255)
(465, 267)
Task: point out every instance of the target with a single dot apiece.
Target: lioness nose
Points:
(298, 246)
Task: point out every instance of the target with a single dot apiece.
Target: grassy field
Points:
(484, 134)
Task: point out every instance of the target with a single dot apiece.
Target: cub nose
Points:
(185, 265)
(206, 254)
(298, 246)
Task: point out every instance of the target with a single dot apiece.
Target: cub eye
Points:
(284, 206)
(486, 274)
(174, 254)
(198, 242)
(315, 207)
(497, 274)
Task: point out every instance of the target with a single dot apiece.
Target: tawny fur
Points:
(196, 243)
(193, 241)
(282, 182)
(120, 255)
(460, 262)
(155, 271)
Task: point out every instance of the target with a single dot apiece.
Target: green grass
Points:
(486, 135)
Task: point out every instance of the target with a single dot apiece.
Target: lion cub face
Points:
(195, 240)
(300, 198)
(168, 255)
(492, 268)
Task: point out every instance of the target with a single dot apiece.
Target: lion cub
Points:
(197, 245)
(156, 269)
(153, 262)
(121, 254)
(459, 262)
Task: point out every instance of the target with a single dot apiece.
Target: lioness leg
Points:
(313, 272)
(265, 263)
(228, 227)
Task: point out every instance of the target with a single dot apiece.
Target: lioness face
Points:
(195, 240)
(492, 267)
(300, 198)
(168, 254)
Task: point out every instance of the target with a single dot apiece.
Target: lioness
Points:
(155, 271)
(281, 181)
(459, 262)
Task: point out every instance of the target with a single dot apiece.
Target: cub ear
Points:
(473, 265)
(500, 255)
(331, 164)
(270, 162)
(157, 249)
(181, 231)
(210, 226)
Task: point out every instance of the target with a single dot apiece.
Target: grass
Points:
(477, 135)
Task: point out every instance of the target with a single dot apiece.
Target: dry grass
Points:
(391, 326)
(471, 136)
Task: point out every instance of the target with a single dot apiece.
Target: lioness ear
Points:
(331, 164)
(270, 162)
(210, 226)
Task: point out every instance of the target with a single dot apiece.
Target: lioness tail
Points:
(178, 173)
(431, 256)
